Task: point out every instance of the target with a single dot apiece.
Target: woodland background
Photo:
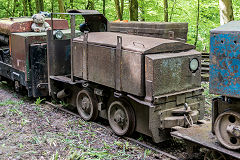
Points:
(202, 15)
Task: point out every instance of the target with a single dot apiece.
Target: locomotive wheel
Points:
(227, 129)
(214, 155)
(87, 105)
(121, 118)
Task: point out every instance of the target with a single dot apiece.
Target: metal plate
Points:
(232, 26)
(101, 68)
(225, 64)
(170, 73)
(135, 43)
(201, 134)
(38, 65)
(151, 29)
(8, 26)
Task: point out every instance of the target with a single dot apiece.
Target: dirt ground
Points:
(29, 130)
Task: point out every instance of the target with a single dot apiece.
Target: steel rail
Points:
(146, 146)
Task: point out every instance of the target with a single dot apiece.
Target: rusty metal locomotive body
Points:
(23, 54)
(138, 83)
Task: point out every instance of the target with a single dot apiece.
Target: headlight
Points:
(58, 34)
(194, 64)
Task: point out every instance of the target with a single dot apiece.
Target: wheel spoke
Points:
(87, 105)
(118, 116)
(224, 129)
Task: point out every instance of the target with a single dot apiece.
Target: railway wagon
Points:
(23, 54)
(138, 83)
(224, 81)
(222, 135)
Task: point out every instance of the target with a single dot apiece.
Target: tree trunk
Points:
(104, 7)
(14, 7)
(173, 7)
(37, 6)
(117, 6)
(71, 4)
(197, 24)
(41, 5)
(133, 9)
(141, 4)
(226, 11)
(25, 10)
(122, 7)
(7, 9)
(61, 7)
(165, 3)
(30, 7)
(90, 5)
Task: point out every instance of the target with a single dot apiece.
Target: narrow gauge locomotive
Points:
(23, 54)
(138, 83)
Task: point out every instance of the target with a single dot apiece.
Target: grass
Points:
(208, 96)
(39, 101)
(61, 137)
(13, 107)
(146, 153)
(9, 102)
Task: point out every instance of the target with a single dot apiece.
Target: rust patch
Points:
(8, 26)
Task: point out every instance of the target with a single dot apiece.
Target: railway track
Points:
(205, 67)
(134, 141)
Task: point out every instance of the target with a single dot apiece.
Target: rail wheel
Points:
(121, 118)
(214, 155)
(87, 105)
(227, 129)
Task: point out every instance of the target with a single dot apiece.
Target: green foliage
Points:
(147, 152)
(10, 102)
(208, 96)
(149, 10)
(39, 101)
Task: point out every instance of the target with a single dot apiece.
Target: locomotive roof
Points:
(136, 43)
(233, 26)
(23, 24)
